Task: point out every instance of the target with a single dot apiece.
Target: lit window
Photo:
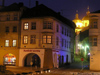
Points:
(7, 29)
(25, 39)
(9, 59)
(47, 25)
(14, 43)
(33, 39)
(25, 26)
(33, 25)
(47, 39)
(44, 39)
(6, 43)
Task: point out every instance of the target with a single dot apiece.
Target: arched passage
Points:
(32, 59)
(9, 59)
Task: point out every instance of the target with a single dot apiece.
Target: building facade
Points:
(94, 37)
(43, 38)
(10, 34)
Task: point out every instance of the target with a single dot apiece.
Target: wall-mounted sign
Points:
(28, 50)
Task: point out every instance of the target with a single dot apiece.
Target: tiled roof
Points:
(43, 11)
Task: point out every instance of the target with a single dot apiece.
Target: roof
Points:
(43, 11)
(98, 11)
(85, 17)
(12, 7)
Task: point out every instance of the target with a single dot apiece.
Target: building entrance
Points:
(32, 59)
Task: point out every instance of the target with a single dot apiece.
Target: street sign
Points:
(82, 59)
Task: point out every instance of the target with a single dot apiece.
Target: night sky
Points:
(66, 7)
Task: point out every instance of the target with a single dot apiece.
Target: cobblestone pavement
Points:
(73, 69)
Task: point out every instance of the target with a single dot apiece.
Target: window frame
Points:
(7, 42)
(46, 39)
(13, 43)
(46, 25)
(24, 26)
(33, 39)
(23, 39)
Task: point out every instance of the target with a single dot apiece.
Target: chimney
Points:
(36, 3)
(3, 1)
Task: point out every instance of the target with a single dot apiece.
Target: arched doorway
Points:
(32, 58)
(10, 59)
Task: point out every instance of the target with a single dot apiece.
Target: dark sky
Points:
(66, 7)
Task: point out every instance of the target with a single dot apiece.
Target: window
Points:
(33, 25)
(25, 39)
(47, 39)
(8, 17)
(7, 29)
(62, 42)
(15, 16)
(62, 30)
(65, 31)
(65, 43)
(44, 39)
(14, 29)
(57, 41)
(33, 39)
(93, 23)
(6, 43)
(93, 40)
(14, 43)
(57, 28)
(47, 25)
(25, 26)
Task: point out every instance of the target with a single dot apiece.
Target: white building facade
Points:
(49, 39)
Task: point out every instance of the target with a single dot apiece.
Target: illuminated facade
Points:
(9, 34)
(81, 26)
(35, 37)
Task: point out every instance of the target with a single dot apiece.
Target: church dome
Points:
(85, 17)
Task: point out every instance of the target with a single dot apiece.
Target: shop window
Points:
(9, 59)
